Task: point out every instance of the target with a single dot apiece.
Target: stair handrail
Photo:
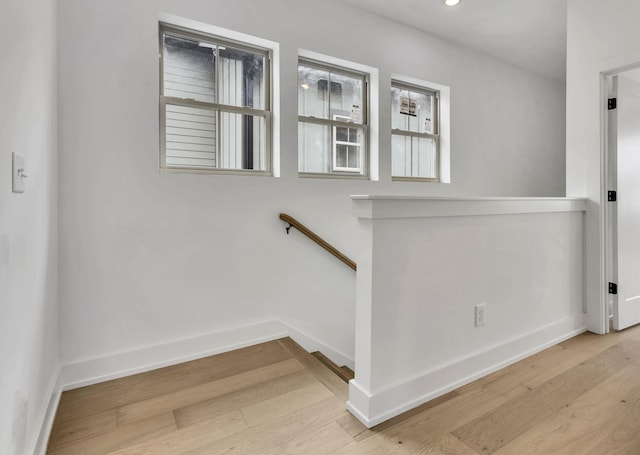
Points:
(316, 238)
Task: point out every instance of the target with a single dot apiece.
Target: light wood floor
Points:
(581, 397)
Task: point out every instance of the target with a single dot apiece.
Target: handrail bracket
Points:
(292, 222)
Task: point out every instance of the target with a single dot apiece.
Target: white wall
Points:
(28, 222)
(428, 262)
(149, 257)
(601, 36)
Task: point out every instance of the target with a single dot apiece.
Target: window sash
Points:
(436, 138)
(218, 109)
(409, 178)
(337, 171)
(337, 70)
(436, 108)
(341, 124)
(178, 32)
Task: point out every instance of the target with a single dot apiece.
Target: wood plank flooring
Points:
(579, 397)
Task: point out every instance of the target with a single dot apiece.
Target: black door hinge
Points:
(613, 288)
(612, 103)
(612, 196)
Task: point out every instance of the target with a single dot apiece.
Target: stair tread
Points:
(348, 372)
(343, 372)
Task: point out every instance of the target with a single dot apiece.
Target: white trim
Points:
(374, 408)
(275, 115)
(600, 323)
(370, 409)
(311, 344)
(149, 358)
(49, 415)
(381, 207)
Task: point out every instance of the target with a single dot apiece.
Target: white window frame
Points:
(216, 36)
(435, 136)
(327, 64)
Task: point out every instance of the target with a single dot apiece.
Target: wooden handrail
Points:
(316, 238)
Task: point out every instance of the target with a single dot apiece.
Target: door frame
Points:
(606, 210)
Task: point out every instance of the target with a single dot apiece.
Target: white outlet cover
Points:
(18, 173)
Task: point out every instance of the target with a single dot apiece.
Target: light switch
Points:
(19, 175)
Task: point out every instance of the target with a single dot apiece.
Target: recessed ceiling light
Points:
(451, 2)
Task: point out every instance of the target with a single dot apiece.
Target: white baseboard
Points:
(127, 363)
(123, 364)
(370, 409)
(374, 408)
(49, 415)
(311, 345)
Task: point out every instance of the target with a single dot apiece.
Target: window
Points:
(215, 106)
(415, 132)
(346, 147)
(332, 120)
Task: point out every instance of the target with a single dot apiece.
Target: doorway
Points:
(622, 189)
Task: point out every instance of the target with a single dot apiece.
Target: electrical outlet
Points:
(480, 314)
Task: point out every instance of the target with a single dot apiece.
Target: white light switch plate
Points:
(19, 175)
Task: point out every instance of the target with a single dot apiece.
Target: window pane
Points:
(313, 95)
(342, 134)
(242, 81)
(413, 157)
(314, 148)
(342, 155)
(424, 158)
(354, 135)
(400, 156)
(412, 111)
(348, 157)
(346, 97)
(190, 137)
(188, 69)
(243, 142)
(353, 159)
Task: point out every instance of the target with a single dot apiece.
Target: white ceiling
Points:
(528, 33)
